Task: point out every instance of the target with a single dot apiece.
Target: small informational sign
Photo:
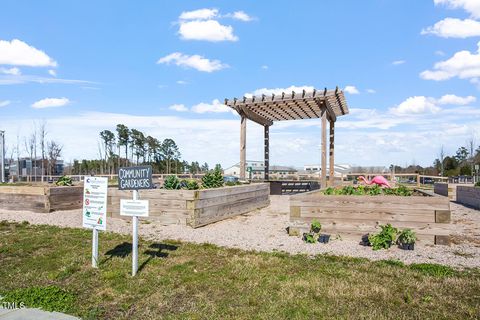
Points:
(135, 178)
(138, 208)
(95, 203)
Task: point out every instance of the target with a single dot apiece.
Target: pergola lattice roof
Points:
(291, 106)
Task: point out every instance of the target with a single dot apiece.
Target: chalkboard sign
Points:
(135, 178)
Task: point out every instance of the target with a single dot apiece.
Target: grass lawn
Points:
(50, 267)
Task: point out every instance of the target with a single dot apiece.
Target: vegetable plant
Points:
(212, 179)
(64, 181)
(383, 239)
(407, 236)
(310, 237)
(171, 183)
(189, 184)
(369, 190)
(315, 226)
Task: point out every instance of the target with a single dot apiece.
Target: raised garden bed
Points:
(352, 216)
(469, 196)
(196, 207)
(41, 198)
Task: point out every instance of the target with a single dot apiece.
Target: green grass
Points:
(50, 267)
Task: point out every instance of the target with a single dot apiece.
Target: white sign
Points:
(138, 208)
(95, 203)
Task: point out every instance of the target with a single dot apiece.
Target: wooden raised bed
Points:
(469, 196)
(350, 217)
(41, 198)
(196, 208)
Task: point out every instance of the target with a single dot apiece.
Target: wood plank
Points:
(324, 149)
(243, 143)
(28, 190)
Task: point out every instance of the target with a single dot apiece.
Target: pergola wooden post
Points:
(266, 146)
(331, 161)
(327, 105)
(324, 149)
(243, 144)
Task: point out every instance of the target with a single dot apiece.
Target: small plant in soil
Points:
(314, 234)
(407, 239)
(384, 239)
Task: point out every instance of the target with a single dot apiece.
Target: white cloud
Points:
(18, 53)
(11, 71)
(451, 99)
(195, 61)
(52, 72)
(398, 62)
(429, 105)
(50, 103)
(216, 106)
(21, 79)
(279, 91)
(264, 67)
(182, 82)
(471, 6)
(206, 30)
(200, 14)
(178, 107)
(416, 105)
(4, 103)
(240, 15)
(351, 90)
(454, 28)
(463, 64)
(371, 91)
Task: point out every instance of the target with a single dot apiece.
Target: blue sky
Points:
(410, 71)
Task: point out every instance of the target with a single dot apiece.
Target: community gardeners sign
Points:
(135, 178)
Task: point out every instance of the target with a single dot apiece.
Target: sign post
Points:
(95, 210)
(134, 178)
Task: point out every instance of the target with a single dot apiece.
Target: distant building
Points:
(340, 170)
(26, 167)
(255, 170)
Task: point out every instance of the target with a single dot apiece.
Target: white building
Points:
(255, 170)
(315, 169)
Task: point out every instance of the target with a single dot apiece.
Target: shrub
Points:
(477, 184)
(64, 181)
(212, 179)
(407, 236)
(384, 239)
(50, 298)
(232, 183)
(190, 184)
(171, 183)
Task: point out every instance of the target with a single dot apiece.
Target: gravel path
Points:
(265, 230)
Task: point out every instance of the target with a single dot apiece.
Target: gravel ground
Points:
(265, 230)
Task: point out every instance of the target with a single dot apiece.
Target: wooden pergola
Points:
(265, 110)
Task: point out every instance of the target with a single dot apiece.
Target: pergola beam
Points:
(243, 150)
(266, 146)
(331, 160)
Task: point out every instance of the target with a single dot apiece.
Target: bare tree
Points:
(42, 133)
(441, 156)
(54, 151)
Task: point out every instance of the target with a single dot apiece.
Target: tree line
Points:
(126, 147)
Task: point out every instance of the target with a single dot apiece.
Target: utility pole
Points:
(2, 156)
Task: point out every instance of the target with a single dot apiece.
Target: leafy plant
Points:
(477, 184)
(212, 179)
(232, 183)
(190, 184)
(171, 183)
(407, 236)
(64, 181)
(315, 226)
(50, 298)
(384, 239)
(310, 237)
(369, 190)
